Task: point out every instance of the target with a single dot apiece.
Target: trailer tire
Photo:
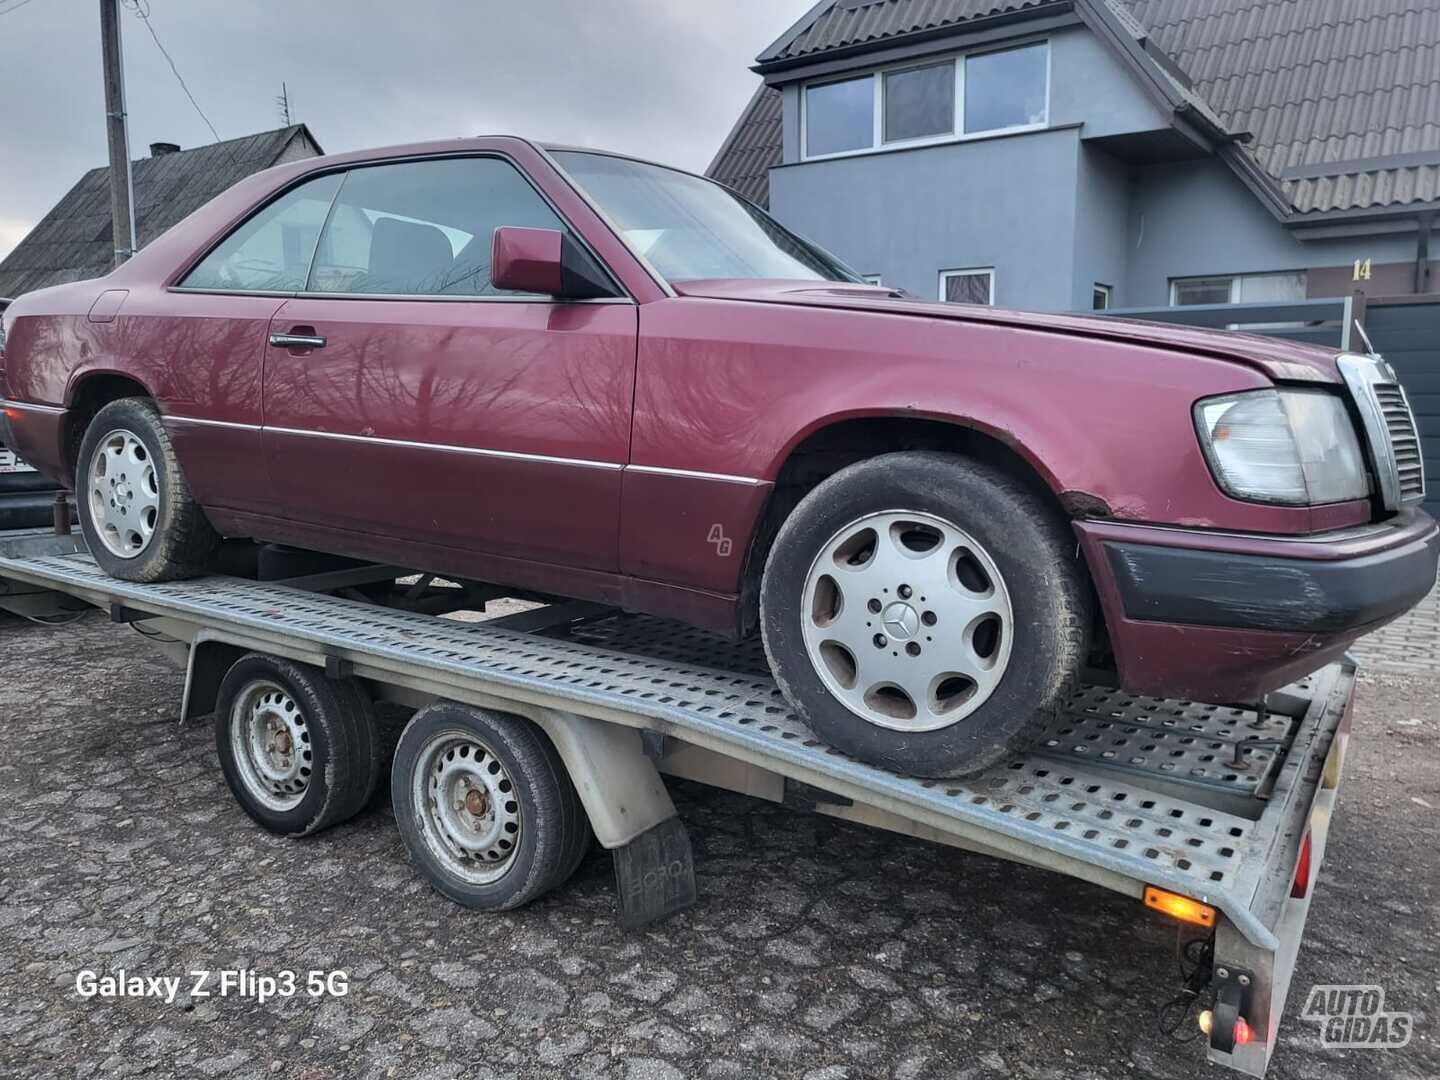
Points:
(367, 754)
(149, 527)
(297, 749)
(485, 807)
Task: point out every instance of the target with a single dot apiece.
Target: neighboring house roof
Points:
(75, 240)
(753, 145)
(1338, 100)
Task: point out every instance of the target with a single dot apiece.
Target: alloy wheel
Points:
(907, 620)
(123, 490)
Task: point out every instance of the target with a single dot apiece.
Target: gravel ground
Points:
(817, 949)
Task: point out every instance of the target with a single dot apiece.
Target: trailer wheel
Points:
(485, 807)
(297, 749)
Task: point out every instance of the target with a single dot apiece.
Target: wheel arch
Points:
(836, 442)
(87, 394)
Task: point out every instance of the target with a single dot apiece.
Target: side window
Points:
(272, 249)
(423, 228)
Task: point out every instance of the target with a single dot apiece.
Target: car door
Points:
(202, 343)
(406, 397)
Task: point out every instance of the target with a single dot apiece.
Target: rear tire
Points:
(485, 807)
(136, 511)
(925, 612)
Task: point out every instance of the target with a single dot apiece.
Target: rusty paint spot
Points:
(1082, 504)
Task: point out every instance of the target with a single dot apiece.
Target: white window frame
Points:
(1235, 280)
(1175, 283)
(878, 145)
(1107, 290)
(872, 279)
(972, 271)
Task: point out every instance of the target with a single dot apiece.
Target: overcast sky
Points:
(659, 78)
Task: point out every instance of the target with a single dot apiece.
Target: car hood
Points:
(1285, 361)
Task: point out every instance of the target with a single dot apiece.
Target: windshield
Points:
(688, 228)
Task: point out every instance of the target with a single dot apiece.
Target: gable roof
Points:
(1338, 101)
(75, 239)
(845, 23)
(752, 147)
(1330, 89)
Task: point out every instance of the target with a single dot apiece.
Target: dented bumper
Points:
(1200, 613)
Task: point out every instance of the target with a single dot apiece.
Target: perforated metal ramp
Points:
(1114, 805)
(1219, 756)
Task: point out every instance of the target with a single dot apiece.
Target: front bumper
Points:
(1216, 616)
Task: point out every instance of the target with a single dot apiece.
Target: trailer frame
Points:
(1204, 801)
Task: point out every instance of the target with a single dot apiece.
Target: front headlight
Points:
(1295, 447)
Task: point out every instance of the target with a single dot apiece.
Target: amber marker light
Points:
(1244, 1033)
(1180, 907)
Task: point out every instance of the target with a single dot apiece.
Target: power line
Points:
(142, 10)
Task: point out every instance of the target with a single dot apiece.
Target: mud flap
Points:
(655, 874)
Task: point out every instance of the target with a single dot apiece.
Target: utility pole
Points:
(122, 196)
(282, 102)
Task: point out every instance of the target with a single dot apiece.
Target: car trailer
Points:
(1214, 815)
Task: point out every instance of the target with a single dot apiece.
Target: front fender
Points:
(736, 386)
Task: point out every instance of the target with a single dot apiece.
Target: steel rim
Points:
(907, 620)
(124, 494)
(270, 742)
(468, 808)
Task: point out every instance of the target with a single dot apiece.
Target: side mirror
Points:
(545, 261)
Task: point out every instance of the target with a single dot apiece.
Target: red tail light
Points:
(1302, 871)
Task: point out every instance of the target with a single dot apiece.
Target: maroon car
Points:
(579, 374)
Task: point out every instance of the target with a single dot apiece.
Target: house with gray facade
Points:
(1078, 154)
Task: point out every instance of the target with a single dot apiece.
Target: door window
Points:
(271, 251)
(423, 228)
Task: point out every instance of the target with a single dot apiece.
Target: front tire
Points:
(925, 612)
(136, 511)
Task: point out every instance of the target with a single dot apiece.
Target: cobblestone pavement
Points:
(1408, 646)
(817, 949)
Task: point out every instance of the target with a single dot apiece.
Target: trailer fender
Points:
(619, 785)
(210, 658)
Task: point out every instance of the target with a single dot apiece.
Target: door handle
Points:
(296, 341)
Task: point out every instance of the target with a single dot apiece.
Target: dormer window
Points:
(840, 116)
(1007, 89)
(920, 103)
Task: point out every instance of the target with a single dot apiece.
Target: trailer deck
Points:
(1211, 802)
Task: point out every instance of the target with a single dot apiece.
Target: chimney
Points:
(159, 148)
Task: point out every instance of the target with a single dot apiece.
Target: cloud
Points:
(659, 78)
